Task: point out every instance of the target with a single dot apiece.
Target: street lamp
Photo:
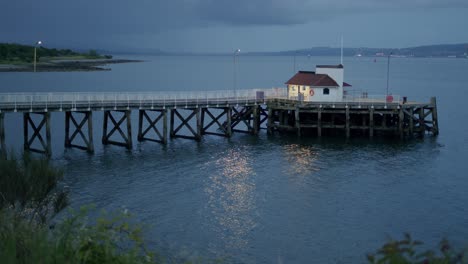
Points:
(388, 70)
(35, 53)
(236, 53)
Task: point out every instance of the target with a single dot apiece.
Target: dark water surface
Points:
(272, 199)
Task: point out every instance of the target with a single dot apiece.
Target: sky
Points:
(226, 25)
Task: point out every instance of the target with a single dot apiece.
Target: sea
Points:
(270, 198)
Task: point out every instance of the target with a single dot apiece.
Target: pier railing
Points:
(133, 99)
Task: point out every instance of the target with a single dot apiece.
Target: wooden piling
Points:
(256, 119)
(271, 112)
(411, 121)
(422, 124)
(129, 129)
(228, 121)
(435, 121)
(319, 122)
(401, 117)
(371, 122)
(298, 121)
(348, 131)
(3, 151)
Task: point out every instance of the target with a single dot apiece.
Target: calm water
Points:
(272, 199)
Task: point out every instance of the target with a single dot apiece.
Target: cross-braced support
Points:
(88, 141)
(28, 141)
(196, 133)
(263, 116)
(152, 125)
(249, 116)
(106, 136)
(225, 127)
(2, 136)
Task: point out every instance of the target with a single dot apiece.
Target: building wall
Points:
(318, 96)
(336, 74)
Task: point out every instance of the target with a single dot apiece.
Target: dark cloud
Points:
(110, 21)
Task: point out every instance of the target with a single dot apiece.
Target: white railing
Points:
(80, 99)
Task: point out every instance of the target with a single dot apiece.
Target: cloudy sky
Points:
(225, 25)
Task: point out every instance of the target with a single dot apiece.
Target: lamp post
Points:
(236, 53)
(388, 70)
(35, 53)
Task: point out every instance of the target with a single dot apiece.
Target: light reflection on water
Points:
(302, 160)
(230, 190)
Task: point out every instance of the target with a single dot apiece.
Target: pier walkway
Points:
(193, 114)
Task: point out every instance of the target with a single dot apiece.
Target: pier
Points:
(192, 115)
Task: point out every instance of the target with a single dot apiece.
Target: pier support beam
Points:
(411, 121)
(271, 112)
(247, 116)
(3, 151)
(348, 132)
(319, 122)
(422, 124)
(28, 141)
(298, 121)
(371, 122)
(152, 125)
(401, 119)
(88, 141)
(224, 127)
(196, 132)
(126, 137)
(435, 121)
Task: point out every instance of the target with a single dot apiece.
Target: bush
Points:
(407, 251)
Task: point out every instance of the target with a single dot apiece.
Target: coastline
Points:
(65, 65)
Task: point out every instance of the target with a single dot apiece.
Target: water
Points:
(272, 199)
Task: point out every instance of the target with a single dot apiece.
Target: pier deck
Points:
(210, 113)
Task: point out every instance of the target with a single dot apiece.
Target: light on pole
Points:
(388, 71)
(236, 53)
(35, 53)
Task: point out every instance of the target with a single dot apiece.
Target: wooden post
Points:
(26, 117)
(165, 126)
(401, 118)
(256, 119)
(298, 122)
(435, 121)
(422, 125)
(371, 122)
(319, 122)
(411, 121)
(171, 131)
(348, 132)
(48, 135)
(90, 132)
(3, 152)
(105, 140)
(67, 129)
(129, 129)
(229, 121)
(199, 124)
(140, 125)
(271, 112)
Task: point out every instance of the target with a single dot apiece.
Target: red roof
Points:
(345, 84)
(312, 79)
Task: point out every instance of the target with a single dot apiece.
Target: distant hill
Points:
(445, 50)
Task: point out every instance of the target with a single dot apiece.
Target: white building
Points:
(324, 85)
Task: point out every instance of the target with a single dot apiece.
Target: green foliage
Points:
(14, 53)
(111, 239)
(29, 188)
(406, 251)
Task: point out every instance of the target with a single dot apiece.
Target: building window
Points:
(303, 88)
(293, 88)
(326, 91)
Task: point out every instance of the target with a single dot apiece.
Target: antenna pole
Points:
(341, 61)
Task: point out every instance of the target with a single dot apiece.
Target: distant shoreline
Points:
(65, 65)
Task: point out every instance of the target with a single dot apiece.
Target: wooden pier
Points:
(209, 113)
